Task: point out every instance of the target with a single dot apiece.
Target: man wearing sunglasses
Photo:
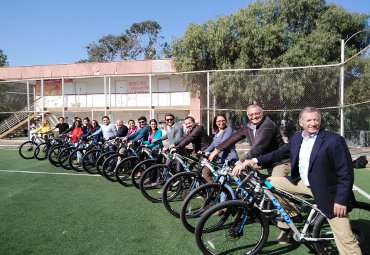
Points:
(174, 132)
(142, 133)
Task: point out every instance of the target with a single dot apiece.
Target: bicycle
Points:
(144, 157)
(226, 187)
(75, 158)
(42, 150)
(91, 157)
(54, 150)
(26, 149)
(181, 184)
(243, 227)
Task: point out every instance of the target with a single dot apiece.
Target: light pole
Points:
(342, 44)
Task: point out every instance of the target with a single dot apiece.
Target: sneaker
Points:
(284, 237)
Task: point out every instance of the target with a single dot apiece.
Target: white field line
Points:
(32, 172)
(362, 192)
(355, 188)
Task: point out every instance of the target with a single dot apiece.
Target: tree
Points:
(141, 40)
(271, 33)
(3, 59)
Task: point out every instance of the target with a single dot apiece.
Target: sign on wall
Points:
(132, 87)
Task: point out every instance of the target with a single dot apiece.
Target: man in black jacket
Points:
(122, 130)
(197, 135)
(263, 136)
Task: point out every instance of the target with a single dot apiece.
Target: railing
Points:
(17, 117)
(117, 100)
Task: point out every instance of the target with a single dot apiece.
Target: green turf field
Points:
(71, 213)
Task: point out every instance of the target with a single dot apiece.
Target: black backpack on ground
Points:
(360, 162)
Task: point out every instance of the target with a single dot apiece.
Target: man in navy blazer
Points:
(321, 166)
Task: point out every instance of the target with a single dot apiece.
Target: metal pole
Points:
(151, 99)
(342, 88)
(28, 108)
(42, 101)
(63, 113)
(208, 129)
(105, 95)
(110, 94)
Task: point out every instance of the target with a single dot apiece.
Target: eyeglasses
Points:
(141, 122)
(169, 119)
(254, 114)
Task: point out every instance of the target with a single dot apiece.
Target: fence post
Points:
(208, 103)
(341, 88)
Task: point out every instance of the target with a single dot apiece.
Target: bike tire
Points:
(26, 149)
(53, 154)
(241, 229)
(177, 188)
(360, 224)
(73, 159)
(41, 151)
(63, 157)
(100, 161)
(89, 161)
(200, 200)
(124, 169)
(153, 180)
(109, 166)
(138, 171)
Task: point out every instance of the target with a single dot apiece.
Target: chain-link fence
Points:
(282, 93)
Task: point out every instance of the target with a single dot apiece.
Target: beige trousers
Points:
(281, 170)
(343, 236)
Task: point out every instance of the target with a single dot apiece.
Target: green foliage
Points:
(140, 40)
(275, 33)
(3, 59)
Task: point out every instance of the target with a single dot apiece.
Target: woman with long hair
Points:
(222, 132)
(91, 128)
(153, 134)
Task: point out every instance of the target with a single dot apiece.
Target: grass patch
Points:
(79, 214)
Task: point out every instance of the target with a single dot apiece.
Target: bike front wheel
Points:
(26, 150)
(239, 229)
(176, 190)
(200, 200)
(153, 180)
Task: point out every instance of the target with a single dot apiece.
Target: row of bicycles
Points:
(230, 216)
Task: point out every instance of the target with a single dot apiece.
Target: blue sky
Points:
(41, 32)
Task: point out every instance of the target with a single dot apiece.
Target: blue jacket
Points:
(330, 170)
(141, 134)
(158, 143)
(97, 137)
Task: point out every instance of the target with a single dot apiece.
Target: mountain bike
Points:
(243, 227)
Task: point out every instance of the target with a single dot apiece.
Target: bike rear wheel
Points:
(360, 223)
(240, 229)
